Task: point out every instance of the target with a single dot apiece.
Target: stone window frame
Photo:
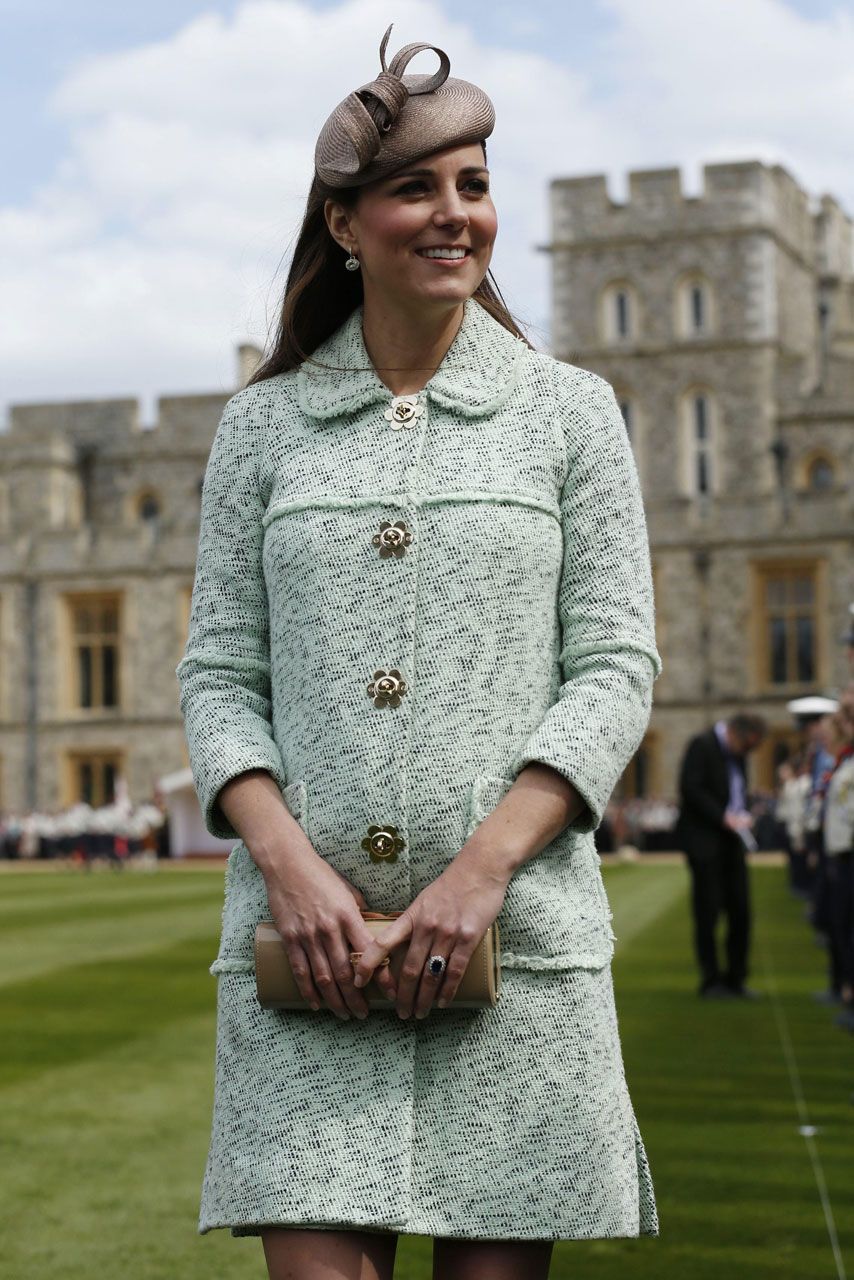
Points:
(689, 455)
(762, 572)
(71, 604)
(608, 312)
(74, 759)
(684, 325)
(143, 496)
(805, 465)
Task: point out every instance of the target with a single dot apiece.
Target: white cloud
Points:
(155, 247)
(707, 81)
(158, 244)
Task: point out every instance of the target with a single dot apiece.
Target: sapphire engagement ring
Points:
(436, 966)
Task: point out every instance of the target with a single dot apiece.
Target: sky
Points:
(155, 159)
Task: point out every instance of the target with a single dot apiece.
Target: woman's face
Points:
(440, 202)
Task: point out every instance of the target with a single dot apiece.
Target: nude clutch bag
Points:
(479, 986)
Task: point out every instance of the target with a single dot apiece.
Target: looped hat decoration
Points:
(396, 118)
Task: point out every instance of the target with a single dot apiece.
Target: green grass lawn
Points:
(106, 1072)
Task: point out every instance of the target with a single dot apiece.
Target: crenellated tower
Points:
(725, 323)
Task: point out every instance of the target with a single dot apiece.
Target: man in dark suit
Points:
(714, 830)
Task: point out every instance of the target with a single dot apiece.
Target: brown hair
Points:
(320, 295)
(748, 723)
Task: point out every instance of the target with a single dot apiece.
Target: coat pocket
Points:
(295, 797)
(556, 913)
(245, 895)
(485, 793)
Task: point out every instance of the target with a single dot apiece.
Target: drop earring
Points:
(352, 263)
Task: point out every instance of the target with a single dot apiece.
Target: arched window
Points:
(820, 475)
(702, 444)
(694, 306)
(148, 506)
(699, 443)
(622, 313)
(619, 312)
(697, 308)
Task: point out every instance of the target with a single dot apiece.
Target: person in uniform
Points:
(421, 653)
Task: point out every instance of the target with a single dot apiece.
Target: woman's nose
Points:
(451, 211)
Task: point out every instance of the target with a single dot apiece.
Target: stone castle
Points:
(725, 323)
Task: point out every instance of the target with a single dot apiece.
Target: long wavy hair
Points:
(320, 295)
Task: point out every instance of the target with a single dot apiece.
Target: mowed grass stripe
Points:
(638, 899)
(84, 1010)
(56, 911)
(22, 891)
(104, 1163)
(115, 937)
(735, 1189)
(107, 1151)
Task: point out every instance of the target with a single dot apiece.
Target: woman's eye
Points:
(417, 185)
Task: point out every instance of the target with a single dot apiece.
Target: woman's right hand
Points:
(314, 907)
(316, 911)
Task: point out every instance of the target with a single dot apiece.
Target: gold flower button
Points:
(387, 688)
(382, 843)
(392, 539)
(403, 411)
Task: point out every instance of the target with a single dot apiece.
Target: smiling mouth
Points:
(445, 255)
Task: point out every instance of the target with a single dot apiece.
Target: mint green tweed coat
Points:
(395, 610)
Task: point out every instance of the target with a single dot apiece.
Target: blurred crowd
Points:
(810, 817)
(816, 807)
(110, 833)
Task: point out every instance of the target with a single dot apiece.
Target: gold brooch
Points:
(403, 411)
(392, 539)
(387, 688)
(382, 843)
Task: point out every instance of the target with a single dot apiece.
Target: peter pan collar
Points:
(477, 375)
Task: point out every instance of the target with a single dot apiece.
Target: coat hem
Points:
(247, 1229)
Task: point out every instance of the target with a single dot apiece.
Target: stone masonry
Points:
(91, 503)
(775, 361)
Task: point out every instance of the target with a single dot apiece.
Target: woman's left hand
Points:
(448, 918)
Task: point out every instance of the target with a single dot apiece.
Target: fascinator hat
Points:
(396, 118)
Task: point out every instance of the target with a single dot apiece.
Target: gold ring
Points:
(356, 956)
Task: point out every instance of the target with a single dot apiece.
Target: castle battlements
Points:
(183, 420)
(737, 196)
(186, 420)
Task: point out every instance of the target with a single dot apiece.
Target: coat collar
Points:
(477, 375)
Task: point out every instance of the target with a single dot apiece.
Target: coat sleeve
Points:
(224, 675)
(608, 657)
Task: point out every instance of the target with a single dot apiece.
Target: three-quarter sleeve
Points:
(224, 675)
(608, 656)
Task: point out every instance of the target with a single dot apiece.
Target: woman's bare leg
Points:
(296, 1254)
(491, 1259)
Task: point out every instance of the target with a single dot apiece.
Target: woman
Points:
(421, 653)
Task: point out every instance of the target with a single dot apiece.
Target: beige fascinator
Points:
(396, 118)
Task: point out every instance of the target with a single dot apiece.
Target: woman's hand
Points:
(316, 910)
(448, 918)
